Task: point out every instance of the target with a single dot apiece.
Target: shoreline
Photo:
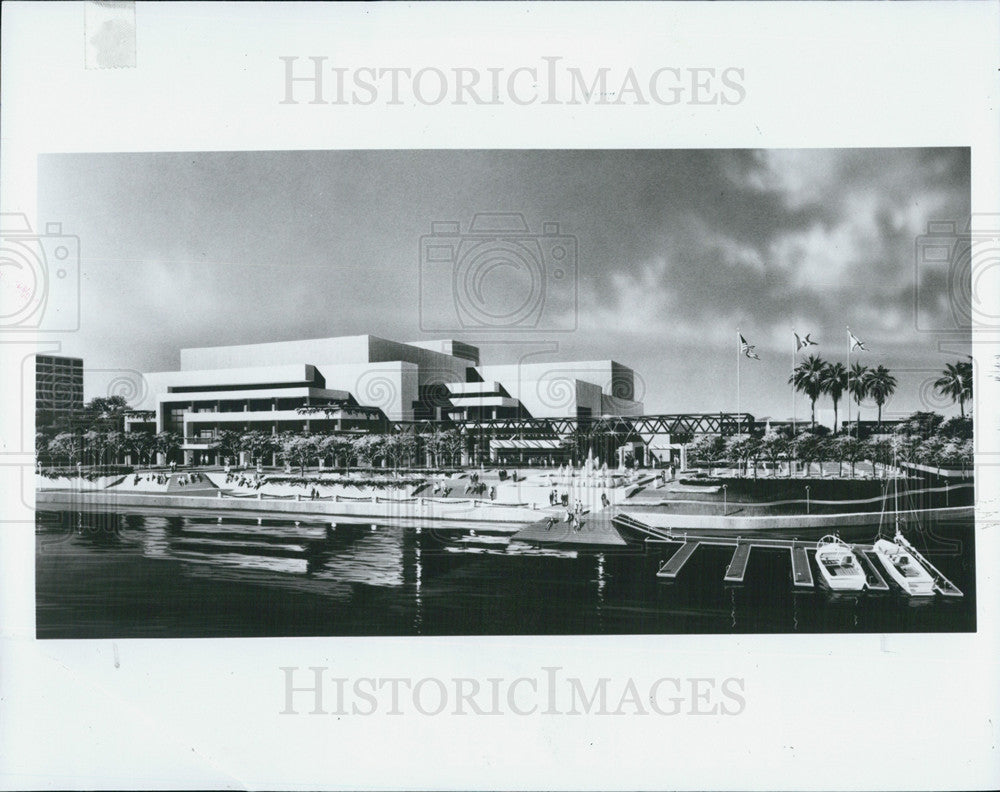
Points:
(527, 523)
(407, 513)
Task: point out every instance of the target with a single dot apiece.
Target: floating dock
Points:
(737, 568)
(594, 529)
(798, 551)
(673, 566)
(801, 573)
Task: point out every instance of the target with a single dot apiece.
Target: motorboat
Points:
(838, 565)
(904, 568)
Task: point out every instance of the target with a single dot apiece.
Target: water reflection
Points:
(105, 574)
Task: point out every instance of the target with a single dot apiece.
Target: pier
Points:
(737, 568)
(801, 573)
(673, 566)
(798, 552)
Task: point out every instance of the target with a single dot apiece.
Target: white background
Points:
(824, 711)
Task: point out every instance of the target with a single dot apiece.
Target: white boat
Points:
(838, 565)
(904, 568)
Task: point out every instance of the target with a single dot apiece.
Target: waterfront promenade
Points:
(553, 506)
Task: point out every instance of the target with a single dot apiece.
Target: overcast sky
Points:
(676, 250)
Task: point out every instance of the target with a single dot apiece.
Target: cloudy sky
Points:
(676, 249)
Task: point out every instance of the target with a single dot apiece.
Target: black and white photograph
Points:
(647, 392)
(499, 395)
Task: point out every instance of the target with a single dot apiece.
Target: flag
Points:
(748, 349)
(857, 343)
(801, 343)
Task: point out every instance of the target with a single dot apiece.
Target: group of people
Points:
(440, 489)
(557, 499)
(190, 478)
(243, 480)
(164, 478)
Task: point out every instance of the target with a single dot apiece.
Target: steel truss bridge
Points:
(623, 427)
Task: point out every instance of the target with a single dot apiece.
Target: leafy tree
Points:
(66, 445)
(774, 447)
(848, 449)
(398, 446)
(106, 412)
(93, 443)
(957, 428)
(228, 444)
(257, 444)
(881, 385)
(879, 452)
(114, 444)
(453, 444)
(444, 444)
(299, 449)
(921, 425)
(366, 448)
(808, 378)
(166, 443)
(834, 381)
(956, 383)
(706, 449)
(742, 449)
(805, 448)
(141, 444)
(335, 447)
(930, 452)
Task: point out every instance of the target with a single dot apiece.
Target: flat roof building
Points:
(58, 388)
(359, 383)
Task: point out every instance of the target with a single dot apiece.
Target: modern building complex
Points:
(58, 388)
(364, 383)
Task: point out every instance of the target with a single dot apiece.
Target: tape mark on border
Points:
(109, 34)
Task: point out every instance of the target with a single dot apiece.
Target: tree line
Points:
(924, 438)
(816, 377)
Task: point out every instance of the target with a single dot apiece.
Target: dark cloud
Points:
(676, 249)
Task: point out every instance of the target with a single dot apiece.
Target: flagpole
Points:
(795, 352)
(849, 380)
(739, 351)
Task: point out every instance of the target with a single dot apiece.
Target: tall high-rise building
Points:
(58, 388)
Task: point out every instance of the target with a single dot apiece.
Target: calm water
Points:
(144, 575)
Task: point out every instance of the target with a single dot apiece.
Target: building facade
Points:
(362, 383)
(58, 388)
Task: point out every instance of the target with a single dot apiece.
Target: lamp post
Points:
(725, 499)
(807, 499)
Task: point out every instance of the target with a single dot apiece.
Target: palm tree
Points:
(858, 385)
(834, 379)
(881, 385)
(956, 383)
(808, 378)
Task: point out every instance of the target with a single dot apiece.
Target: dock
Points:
(798, 552)
(595, 529)
(673, 566)
(737, 568)
(875, 580)
(801, 572)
